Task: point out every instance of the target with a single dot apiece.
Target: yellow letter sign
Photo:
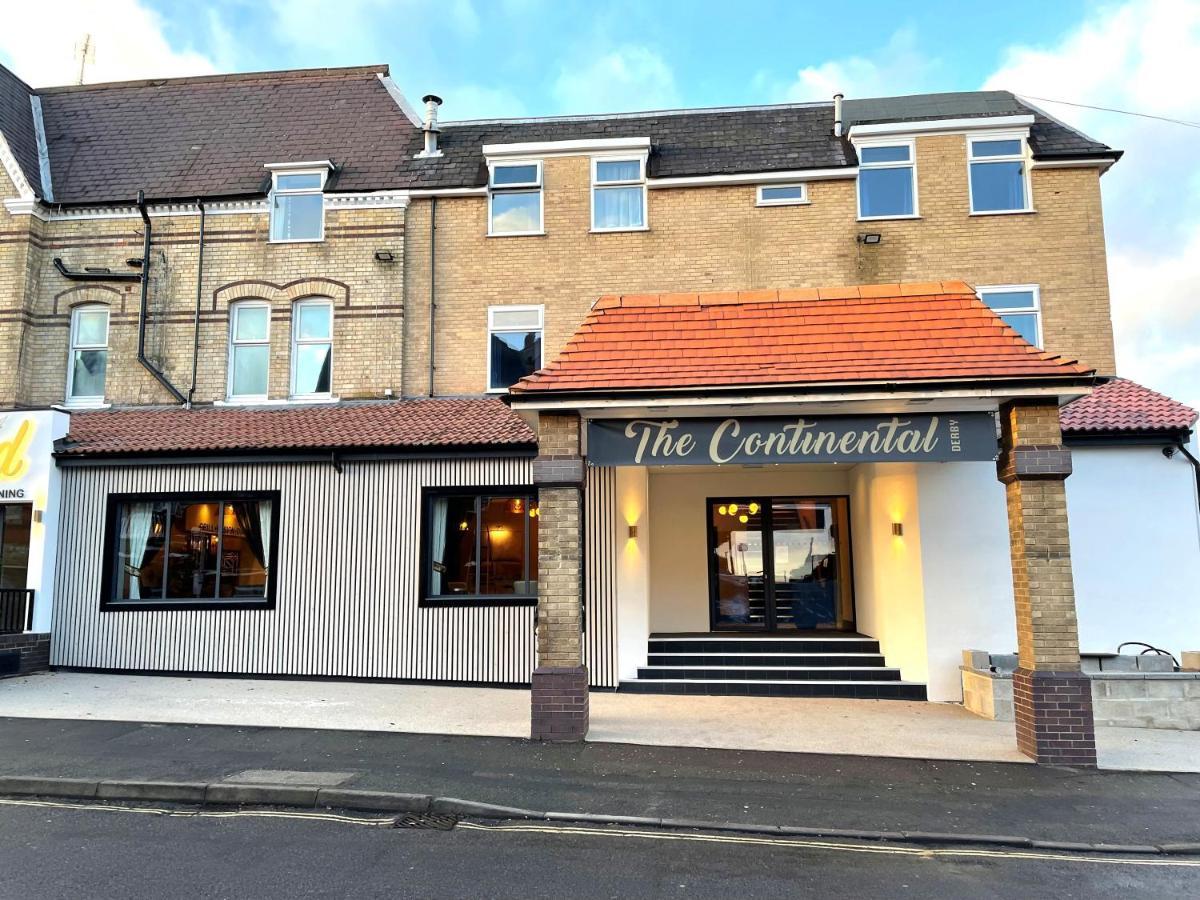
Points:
(13, 460)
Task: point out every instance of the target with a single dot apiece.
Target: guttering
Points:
(66, 459)
(95, 276)
(879, 129)
(196, 320)
(787, 176)
(145, 276)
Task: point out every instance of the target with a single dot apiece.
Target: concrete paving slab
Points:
(790, 724)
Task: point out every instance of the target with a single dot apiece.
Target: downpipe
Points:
(196, 320)
(141, 350)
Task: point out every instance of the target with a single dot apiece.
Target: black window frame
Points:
(427, 599)
(110, 599)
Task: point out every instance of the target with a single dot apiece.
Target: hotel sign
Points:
(754, 440)
(26, 442)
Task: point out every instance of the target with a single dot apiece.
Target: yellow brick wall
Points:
(717, 239)
(239, 263)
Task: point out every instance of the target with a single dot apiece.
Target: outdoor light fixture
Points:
(37, 516)
(632, 532)
(384, 256)
(897, 529)
(870, 238)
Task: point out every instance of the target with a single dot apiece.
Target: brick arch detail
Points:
(280, 294)
(83, 294)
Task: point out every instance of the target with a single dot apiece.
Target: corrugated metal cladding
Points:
(347, 588)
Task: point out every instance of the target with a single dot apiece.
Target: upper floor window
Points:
(782, 194)
(1019, 305)
(88, 363)
(514, 344)
(515, 198)
(887, 181)
(249, 350)
(312, 348)
(618, 194)
(298, 202)
(999, 174)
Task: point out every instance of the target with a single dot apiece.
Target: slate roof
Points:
(209, 136)
(181, 138)
(16, 124)
(1122, 406)
(929, 332)
(396, 424)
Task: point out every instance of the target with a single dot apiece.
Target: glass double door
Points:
(780, 564)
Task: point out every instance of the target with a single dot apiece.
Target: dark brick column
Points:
(22, 654)
(560, 682)
(1052, 698)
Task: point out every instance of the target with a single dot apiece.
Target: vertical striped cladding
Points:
(347, 568)
(600, 576)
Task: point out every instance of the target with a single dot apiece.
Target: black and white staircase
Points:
(771, 665)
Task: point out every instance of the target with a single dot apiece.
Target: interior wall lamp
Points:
(897, 529)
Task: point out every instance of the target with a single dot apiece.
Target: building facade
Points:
(690, 402)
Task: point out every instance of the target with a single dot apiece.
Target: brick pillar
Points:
(1052, 698)
(560, 682)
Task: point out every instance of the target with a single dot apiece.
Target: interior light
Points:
(743, 518)
(733, 508)
(632, 532)
(533, 512)
(723, 510)
(517, 505)
(462, 526)
(754, 507)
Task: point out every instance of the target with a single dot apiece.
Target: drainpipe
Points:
(432, 283)
(196, 320)
(1182, 448)
(141, 351)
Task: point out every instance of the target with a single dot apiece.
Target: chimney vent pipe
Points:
(837, 115)
(432, 102)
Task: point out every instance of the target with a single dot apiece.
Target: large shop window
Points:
(192, 550)
(249, 350)
(88, 365)
(515, 198)
(312, 349)
(887, 181)
(514, 344)
(480, 548)
(1019, 305)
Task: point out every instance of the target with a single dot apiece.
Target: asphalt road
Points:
(50, 852)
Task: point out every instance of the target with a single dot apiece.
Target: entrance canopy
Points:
(888, 342)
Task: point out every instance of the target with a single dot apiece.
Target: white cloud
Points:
(631, 77)
(39, 39)
(898, 67)
(1138, 56)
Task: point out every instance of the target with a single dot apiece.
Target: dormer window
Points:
(515, 198)
(297, 201)
(618, 194)
(999, 176)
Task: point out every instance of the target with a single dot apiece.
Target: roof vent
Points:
(837, 115)
(432, 102)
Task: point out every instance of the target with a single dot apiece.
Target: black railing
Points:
(16, 610)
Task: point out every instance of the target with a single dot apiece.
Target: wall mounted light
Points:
(384, 256)
(897, 529)
(870, 238)
(633, 532)
(37, 517)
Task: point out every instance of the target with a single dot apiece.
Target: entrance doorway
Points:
(780, 564)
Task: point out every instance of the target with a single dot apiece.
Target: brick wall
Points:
(239, 263)
(30, 652)
(717, 239)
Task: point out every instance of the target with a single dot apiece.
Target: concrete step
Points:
(768, 660)
(744, 646)
(859, 690)
(766, 673)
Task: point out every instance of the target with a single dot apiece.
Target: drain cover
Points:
(427, 821)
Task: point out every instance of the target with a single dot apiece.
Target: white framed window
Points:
(782, 194)
(249, 350)
(87, 366)
(515, 198)
(618, 193)
(887, 179)
(297, 202)
(312, 349)
(514, 344)
(1019, 305)
(998, 173)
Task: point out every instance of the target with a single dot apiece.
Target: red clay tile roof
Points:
(412, 424)
(938, 331)
(1122, 405)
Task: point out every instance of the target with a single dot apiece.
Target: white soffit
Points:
(567, 148)
(980, 123)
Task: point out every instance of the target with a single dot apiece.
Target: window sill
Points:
(319, 240)
(324, 398)
(183, 605)
(617, 230)
(480, 601)
(508, 234)
(85, 405)
(1003, 212)
(886, 218)
(784, 203)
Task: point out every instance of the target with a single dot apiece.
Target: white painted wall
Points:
(633, 568)
(1135, 548)
(678, 530)
(887, 569)
(966, 569)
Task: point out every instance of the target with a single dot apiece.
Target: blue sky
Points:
(543, 57)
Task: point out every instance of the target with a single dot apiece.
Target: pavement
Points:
(787, 724)
(112, 853)
(713, 786)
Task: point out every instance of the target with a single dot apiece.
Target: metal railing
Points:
(16, 610)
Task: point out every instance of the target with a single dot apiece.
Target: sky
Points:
(491, 58)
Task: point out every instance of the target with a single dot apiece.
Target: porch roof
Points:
(1122, 406)
(935, 332)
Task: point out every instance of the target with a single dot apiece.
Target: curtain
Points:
(251, 522)
(618, 207)
(441, 509)
(138, 519)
